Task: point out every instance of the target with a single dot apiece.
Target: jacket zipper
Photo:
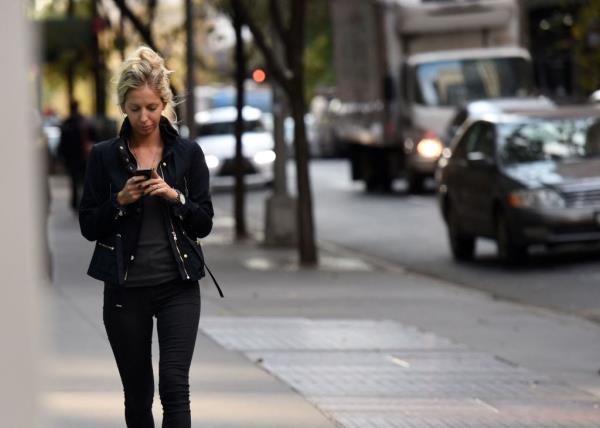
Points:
(118, 235)
(175, 235)
(119, 212)
(106, 246)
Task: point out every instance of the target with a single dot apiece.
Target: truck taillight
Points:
(430, 146)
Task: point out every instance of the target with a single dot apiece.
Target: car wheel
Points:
(509, 252)
(462, 244)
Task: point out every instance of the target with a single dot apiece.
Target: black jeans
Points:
(128, 317)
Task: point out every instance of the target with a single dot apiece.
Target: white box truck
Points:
(403, 66)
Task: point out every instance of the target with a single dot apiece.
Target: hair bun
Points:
(146, 54)
(145, 67)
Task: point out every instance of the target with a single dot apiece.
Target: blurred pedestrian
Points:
(76, 139)
(145, 202)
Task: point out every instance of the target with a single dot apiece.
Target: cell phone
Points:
(145, 172)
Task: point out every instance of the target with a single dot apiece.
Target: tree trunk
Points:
(291, 79)
(70, 76)
(99, 69)
(70, 67)
(240, 75)
(306, 230)
(306, 238)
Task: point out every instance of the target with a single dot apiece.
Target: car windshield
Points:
(260, 99)
(228, 128)
(451, 83)
(538, 140)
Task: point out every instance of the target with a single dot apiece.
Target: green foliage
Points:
(58, 8)
(318, 52)
(586, 34)
(318, 45)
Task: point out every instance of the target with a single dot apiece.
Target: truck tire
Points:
(462, 244)
(415, 182)
(376, 172)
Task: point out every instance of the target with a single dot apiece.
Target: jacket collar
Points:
(168, 134)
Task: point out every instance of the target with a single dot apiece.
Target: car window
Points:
(453, 82)
(228, 128)
(556, 140)
(479, 137)
(483, 142)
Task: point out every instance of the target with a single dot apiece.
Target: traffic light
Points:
(259, 75)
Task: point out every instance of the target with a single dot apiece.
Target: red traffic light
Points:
(259, 75)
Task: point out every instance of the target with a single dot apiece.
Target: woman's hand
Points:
(132, 191)
(156, 186)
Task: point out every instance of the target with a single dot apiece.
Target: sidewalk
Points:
(355, 344)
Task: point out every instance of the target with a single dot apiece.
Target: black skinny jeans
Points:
(128, 317)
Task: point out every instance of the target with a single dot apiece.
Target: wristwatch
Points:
(180, 197)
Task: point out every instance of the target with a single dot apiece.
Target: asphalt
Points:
(355, 343)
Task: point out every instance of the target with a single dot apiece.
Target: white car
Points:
(216, 137)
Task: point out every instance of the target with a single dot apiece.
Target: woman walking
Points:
(145, 202)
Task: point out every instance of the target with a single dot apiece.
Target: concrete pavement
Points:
(355, 343)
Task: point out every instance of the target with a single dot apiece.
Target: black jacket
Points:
(116, 229)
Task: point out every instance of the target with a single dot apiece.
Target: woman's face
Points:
(144, 108)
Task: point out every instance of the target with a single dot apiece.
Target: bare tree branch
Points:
(295, 48)
(144, 30)
(151, 11)
(146, 33)
(281, 72)
(277, 18)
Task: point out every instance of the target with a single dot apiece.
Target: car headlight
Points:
(537, 198)
(430, 146)
(212, 161)
(264, 157)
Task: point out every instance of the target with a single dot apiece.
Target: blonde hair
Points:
(146, 67)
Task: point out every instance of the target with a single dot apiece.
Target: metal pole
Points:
(190, 100)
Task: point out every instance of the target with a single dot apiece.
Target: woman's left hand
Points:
(156, 186)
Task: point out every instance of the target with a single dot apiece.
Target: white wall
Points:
(19, 283)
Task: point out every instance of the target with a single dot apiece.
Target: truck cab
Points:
(439, 82)
(403, 66)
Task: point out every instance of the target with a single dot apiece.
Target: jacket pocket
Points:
(196, 248)
(103, 265)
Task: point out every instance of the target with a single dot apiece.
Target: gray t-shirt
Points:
(154, 262)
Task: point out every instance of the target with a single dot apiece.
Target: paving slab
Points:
(409, 378)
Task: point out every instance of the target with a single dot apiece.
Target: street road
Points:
(408, 231)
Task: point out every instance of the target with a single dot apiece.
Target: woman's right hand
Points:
(132, 191)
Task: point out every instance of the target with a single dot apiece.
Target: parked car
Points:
(260, 97)
(51, 130)
(522, 177)
(216, 136)
(497, 105)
